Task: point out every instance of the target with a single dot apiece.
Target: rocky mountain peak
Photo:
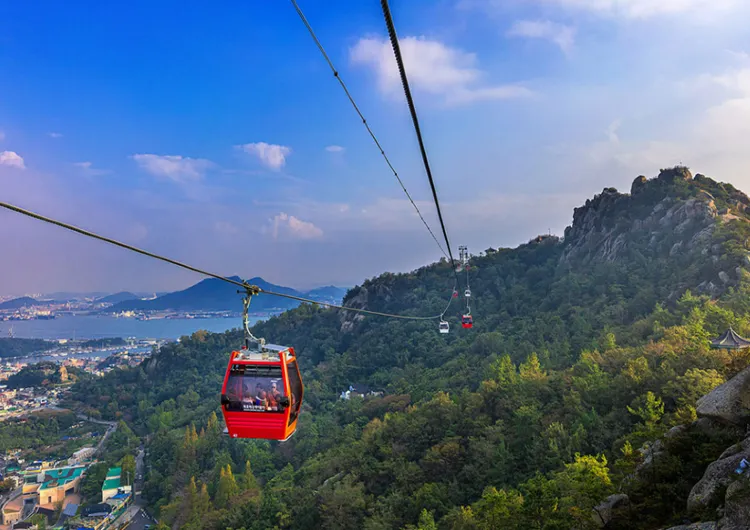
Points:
(673, 215)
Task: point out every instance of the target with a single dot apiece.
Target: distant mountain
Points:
(216, 295)
(330, 294)
(68, 296)
(116, 298)
(18, 303)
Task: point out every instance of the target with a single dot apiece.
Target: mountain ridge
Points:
(213, 294)
(21, 302)
(578, 357)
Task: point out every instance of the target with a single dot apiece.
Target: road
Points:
(136, 517)
(140, 520)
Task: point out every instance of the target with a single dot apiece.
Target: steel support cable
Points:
(245, 286)
(468, 288)
(450, 301)
(413, 111)
(364, 122)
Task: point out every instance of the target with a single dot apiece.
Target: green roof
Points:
(114, 472)
(54, 478)
(111, 484)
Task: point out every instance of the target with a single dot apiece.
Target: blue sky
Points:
(217, 135)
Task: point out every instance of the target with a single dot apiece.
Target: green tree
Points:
(128, 468)
(39, 520)
(227, 488)
(249, 482)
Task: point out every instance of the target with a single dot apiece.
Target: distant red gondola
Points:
(262, 393)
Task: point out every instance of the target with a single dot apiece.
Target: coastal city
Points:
(49, 494)
(43, 486)
(17, 401)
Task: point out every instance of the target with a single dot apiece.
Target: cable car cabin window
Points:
(295, 383)
(255, 388)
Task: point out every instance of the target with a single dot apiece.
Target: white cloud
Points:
(612, 132)
(335, 149)
(561, 35)
(88, 169)
(55, 135)
(635, 9)
(270, 155)
(174, 167)
(432, 67)
(11, 159)
(285, 225)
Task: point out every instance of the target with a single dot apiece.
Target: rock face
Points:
(360, 297)
(729, 402)
(737, 506)
(709, 491)
(603, 227)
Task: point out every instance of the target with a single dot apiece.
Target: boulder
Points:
(675, 431)
(675, 173)
(638, 184)
(708, 492)
(737, 506)
(603, 513)
(729, 402)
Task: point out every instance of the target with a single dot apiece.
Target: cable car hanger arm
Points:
(244, 285)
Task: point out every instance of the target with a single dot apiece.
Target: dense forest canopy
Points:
(14, 347)
(585, 350)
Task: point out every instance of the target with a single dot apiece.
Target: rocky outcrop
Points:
(606, 511)
(360, 298)
(729, 402)
(709, 492)
(737, 506)
(604, 228)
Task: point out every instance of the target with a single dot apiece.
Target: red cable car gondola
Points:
(262, 393)
(467, 321)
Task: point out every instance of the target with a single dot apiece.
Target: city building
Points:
(52, 485)
(83, 454)
(12, 511)
(111, 483)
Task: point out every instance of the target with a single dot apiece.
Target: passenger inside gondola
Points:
(254, 393)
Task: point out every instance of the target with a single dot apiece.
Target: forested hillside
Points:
(584, 350)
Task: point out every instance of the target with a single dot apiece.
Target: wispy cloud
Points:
(223, 227)
(174, 167)
(2, 136)
(634, 9)
(88, 169)
(561, 35)
(433, 67)
(335, 149)
(272, 156)
(288, 226)
(11, 159)
(55, 135)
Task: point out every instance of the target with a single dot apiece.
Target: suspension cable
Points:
(454, 293)
(413, 111)
(245, 286)
(364, 122)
